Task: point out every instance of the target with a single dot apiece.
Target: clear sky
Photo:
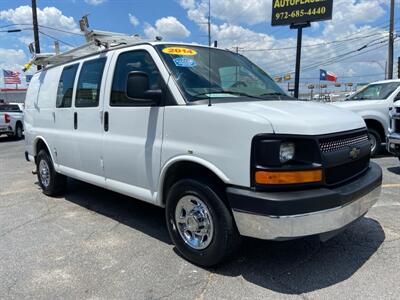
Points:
(330, 45)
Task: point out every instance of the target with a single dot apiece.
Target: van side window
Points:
(88, 91)
(66, 86)
(128, 62)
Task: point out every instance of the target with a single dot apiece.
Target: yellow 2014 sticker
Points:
(179, 51)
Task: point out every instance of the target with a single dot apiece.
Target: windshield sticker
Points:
(179, 51)
(185, 62)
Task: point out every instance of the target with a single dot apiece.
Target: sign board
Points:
(292, 12)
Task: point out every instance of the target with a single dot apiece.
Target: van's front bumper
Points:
(393, 144)
(289, 215)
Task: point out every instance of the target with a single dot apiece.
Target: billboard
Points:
(288, 12)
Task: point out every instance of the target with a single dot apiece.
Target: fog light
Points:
(286, 152)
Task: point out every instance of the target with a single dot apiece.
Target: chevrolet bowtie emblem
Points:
(355, 153)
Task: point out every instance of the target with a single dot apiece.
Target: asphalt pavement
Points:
(95, 244)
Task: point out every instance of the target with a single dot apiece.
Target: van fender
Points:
(187, 158)
(36, 140)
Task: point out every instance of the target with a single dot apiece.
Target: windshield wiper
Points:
(229, 92)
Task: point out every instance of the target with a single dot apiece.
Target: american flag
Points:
(11, 77)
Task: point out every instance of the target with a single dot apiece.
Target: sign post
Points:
(299, 14)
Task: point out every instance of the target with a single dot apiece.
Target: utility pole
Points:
(209, 23)
(391, 41)
(35, 29)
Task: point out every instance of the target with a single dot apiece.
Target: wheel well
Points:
(187, 169)
(374, 124)
(19, 123)
(41, 145)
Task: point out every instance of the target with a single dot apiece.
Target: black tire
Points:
(376, 141)
(54, 183)
(19, 131)
(225, 237)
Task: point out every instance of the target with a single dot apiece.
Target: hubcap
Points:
(44, 173)
(194, 222)
(372, 140)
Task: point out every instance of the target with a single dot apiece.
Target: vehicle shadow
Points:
(291, 267)
(7, 139)
(128, 211)
(305, 265)
(394, 170)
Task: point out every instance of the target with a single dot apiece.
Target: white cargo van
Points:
(206, 134)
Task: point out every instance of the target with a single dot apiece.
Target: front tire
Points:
(51, 182)
(375, 141)
(199, 223)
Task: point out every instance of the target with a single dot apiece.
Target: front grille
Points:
(340, 173)
(396, 125)
(338, 143)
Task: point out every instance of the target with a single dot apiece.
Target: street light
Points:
(384, 67)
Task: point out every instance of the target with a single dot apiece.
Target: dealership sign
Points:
(290, 12)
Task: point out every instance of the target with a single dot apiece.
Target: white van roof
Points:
(98, 41)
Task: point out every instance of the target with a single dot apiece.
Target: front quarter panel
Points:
(211, 134)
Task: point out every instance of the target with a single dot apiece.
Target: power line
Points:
(56, 39)
(319, 55)
(341, 57)
(311, 45)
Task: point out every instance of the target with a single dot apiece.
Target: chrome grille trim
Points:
(341, 142)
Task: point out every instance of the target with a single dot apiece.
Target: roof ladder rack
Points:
(97, 41)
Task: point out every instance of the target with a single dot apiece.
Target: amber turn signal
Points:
(292, 177)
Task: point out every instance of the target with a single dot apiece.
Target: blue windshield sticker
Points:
(185, 62)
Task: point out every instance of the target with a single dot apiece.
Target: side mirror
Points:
(138, 88)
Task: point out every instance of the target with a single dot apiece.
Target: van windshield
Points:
(379, 91)
(203, 73)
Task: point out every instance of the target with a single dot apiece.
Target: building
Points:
(12, 95)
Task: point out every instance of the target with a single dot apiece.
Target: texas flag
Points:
(327, 76)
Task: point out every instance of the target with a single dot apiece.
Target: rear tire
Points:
(51, 182)
(19, 132)
(199, 223)
(375, 140)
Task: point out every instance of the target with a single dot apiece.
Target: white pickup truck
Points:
(393, 139)
(206, 134)
(373, 103)
(12, 120)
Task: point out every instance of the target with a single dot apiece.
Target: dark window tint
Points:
(88, 90)
(140, 61)
(66, 86)
(10, 108)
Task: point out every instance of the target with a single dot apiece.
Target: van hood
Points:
(350, 104)
(300, 117)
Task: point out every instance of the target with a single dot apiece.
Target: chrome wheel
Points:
(44, 172)
(194, 222)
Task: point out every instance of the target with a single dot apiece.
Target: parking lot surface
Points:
(96, 244)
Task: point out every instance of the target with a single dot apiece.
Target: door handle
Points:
(106, 121)
(75, 120)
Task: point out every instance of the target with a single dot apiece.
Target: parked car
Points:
(219, 145)
(393, 139)
(373, 103)
(11, 120)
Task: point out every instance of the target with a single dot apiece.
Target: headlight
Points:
(286, 152)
